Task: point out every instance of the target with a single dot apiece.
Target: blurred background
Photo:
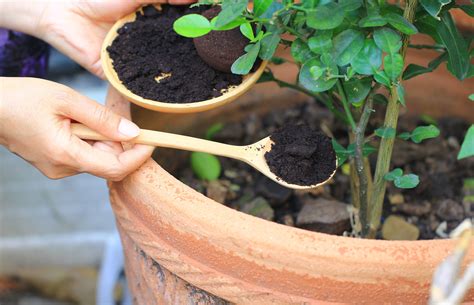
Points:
(53, 233)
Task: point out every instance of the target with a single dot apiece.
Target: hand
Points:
(35, 118)
(76, 28)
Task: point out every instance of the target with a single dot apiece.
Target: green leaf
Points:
(366, 150)
(261, 6)
(388, 40)
(316, 72)
(269, 44)
(369, 59)
(401, 94)
(471, 97)
(205, 166)
(458, 55)
(467, 147)
(404, 136)
(321, 42)
(300, 51)
(400, 23)
(393, 65)
(357, 89)
(341, 152)
(247, 31)
(413, 70)
(380, 99)
(468, 9)
(407, 181)
(325, 17)
(231, 10)
(385, 132)
(231, 25)
(274, 7)
(350, 5)
(192, 25)
(244, 63)
(421, 133)
(323, 83)
(347, 45)
(382, 78)
(372, 21)
(213, 130)
(433, 7)
(394, 174)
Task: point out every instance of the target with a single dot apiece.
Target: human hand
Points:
(76, 28)
(35, 119)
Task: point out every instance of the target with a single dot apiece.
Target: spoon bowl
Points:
(230, 95)
(253, 154)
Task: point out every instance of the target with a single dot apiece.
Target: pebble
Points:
(325, 216)
(288, 220)
(274, 192)
(396, 228)
(414, 209)
(259, 207)
(396, 198)
(217, 191)
(449, 210)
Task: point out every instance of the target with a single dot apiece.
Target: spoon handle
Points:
(169, 140)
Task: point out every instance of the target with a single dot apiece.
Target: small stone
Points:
(453, 143)
(316, 191)
(325, 216)
(217, 191)
(449, 210)
(230, 174)
(414, 209)
(396, 198)
(259, 207)
(288, 220)
(396, 228)
(273, 192)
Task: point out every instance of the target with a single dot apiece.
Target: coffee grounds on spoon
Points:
(149, 48)
(301, 155)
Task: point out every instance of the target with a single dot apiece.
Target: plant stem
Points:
(360, 164)
(345, 104)
(386, 144)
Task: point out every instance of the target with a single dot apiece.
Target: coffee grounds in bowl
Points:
(148, 49)
(301, 155)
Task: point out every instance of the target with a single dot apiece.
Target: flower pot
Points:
(183, 248)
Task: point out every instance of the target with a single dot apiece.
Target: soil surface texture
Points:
(441, 201)
(149, 49)
(301, 155)
(220, 49)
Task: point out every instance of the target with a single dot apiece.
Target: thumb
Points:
(99, 118)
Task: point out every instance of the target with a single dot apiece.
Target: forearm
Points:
(22, 16)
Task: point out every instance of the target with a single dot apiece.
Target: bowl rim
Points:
(248, 80)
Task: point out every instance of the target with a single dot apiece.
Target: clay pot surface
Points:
(212, 254)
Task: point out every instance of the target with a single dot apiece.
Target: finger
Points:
(98, 118)
(111, 147)
(107, 163)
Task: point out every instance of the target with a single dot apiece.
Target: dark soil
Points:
(435, 207)
(301, 155)
(220, 49)
(149, 48)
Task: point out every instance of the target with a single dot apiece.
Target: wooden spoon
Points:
(252, 154)
(232, 94)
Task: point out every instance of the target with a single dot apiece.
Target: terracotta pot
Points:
(183, 248)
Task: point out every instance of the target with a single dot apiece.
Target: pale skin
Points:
(35, 114)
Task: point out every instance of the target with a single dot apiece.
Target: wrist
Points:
(23, 18)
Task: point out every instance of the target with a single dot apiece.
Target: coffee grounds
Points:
(220, 49)
(149, 48)
(301, 155)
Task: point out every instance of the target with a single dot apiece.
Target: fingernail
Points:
(128, 128)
